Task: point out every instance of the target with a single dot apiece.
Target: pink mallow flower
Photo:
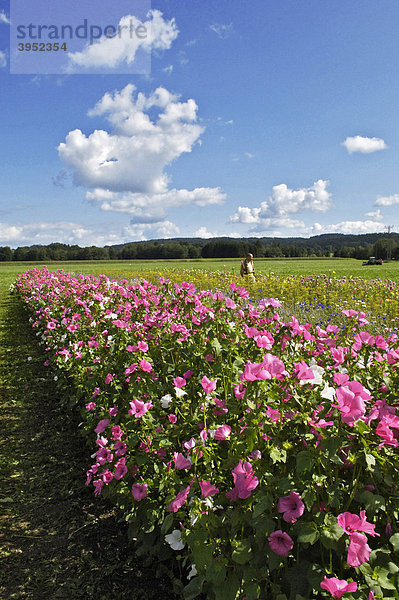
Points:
(145, 366)
(139, 491)
(181, 462)
(138, 408)
(102, 425)
(292, 507)
(244, 480)
(350, 523)
(222, 433)
(179, 500)
(358, 551)
(338, 587)
(207, 489)
(351, 397)
(280, 542)
(208, 385)
(179, 382)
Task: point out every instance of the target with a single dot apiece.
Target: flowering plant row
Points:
(261, 452)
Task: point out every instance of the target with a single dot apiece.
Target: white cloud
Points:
(249, 154)
(223, 31)
(3, 59)
(202, 232)
(168, 69)
(376, 215)
(387, 200)
(365, 145)
(148, 208)
(84, 235)
(125, 169)
(111, 52)
(4, 18)
(349, 227)
(283, 202)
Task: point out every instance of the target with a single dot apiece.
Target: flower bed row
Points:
(261, 452)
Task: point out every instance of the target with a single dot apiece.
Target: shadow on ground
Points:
(56, 541)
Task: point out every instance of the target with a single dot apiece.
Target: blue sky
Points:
(268, 118)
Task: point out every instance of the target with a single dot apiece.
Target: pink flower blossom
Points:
(102, 425)
(208, 385)
(280, 542)
(338, 587)
(109, 377)
(350, 523)
(90, 406)
(120, 469)
(244, 480)
(139, 491)
(351, 399)
(138, 408)
(96, 392)
(358, 551)
(179, 500)
(181, 462)
(130, 369)
(179, 382)
(145, 366)
(143, 346)
(292, 507)
(188, 374)
(207, 489)
(222, 433)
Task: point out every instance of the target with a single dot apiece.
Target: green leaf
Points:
(373, 502)
(331, 535)
(263, 506)
(383, 580)
(193, 589)
(217, 346)
(394, 539)
(370, 461)
(308, 533)
(167, 524)
(229, 589)
(304, 462)
(278, 455)
(242, 552)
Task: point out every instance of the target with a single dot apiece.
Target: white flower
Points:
(327, 392)
(179, 392)
(193, 572)
(166, 400)
(29, 358)
(174, 540)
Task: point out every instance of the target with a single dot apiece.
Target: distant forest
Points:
(380, 245)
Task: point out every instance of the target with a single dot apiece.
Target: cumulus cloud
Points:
(168, 69)
(222, 30)
(365, 145)
(4, 18)
(376, 215)
(132, 35)
(387, 200)
(3, 59)
(276, 211)
(147, 208)
(349, 227)
(124, 170)
(46, 232)
(202, 232)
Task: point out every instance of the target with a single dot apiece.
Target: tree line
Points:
(338, 245)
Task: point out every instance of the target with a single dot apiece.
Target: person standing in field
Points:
(247, 269)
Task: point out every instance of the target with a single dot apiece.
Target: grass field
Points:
(335, 267)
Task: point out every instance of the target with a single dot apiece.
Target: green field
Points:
(334, 267)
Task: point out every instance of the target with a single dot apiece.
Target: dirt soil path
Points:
(56, 541)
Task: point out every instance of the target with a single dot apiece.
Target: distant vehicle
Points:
(373, 261)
